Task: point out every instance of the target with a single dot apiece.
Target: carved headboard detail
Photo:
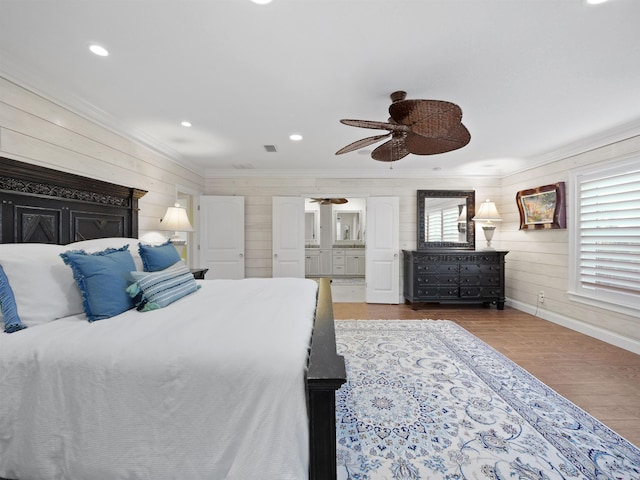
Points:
(42, 205)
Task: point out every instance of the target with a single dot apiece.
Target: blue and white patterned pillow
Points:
(8, 306)
(154, 290)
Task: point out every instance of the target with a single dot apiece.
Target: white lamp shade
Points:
(487, 213)
(176, 220)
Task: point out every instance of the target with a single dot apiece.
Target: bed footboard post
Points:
(326, 373)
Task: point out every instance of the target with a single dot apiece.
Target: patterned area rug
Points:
(425, 399)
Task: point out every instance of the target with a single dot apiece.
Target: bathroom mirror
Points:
(310, 227)
(347, 226)
(444, 220)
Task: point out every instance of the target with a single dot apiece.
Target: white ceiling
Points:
(534, 78)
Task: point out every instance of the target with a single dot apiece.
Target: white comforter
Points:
(210, 387)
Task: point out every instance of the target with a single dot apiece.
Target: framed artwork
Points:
(542, 207)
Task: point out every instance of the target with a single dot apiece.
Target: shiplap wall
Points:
(539, 259)
(36, 130)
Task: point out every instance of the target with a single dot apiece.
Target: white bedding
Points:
(210, 387)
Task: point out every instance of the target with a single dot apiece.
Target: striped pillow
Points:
(153, 290)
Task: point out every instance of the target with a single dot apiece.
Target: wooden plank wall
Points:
(539, 259)
(36, 130)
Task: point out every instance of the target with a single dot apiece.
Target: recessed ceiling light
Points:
(98, 50)
(594, 2)
(261, 2)
(185, 124)
(295, 137)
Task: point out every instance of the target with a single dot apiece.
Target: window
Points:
(605, 251)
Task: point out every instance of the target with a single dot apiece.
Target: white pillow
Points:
(100, 244)
(43, 286)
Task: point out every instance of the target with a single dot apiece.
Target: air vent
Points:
(270, 148)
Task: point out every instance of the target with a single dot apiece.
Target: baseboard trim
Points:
(596, 332)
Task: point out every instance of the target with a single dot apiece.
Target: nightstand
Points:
(199, 273)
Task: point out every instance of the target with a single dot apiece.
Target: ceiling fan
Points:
(329, 201)
(421, 127)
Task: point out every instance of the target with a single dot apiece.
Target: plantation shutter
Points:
(609, 229)
(434, 226)
(442, 225)
(450, 225)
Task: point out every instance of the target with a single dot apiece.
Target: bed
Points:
(232, 379)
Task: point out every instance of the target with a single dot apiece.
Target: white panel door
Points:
(222, 236)
(288, 237)
(382, 256)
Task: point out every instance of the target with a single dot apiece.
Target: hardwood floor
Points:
(601, 379)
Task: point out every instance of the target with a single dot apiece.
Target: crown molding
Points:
(396, 173)
(601, 139)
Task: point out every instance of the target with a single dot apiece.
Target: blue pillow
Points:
(153, 290)
(12, 321)
(158, 257)
(102, 278)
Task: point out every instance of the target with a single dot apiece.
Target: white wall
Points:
(539, 259)
(35, 130)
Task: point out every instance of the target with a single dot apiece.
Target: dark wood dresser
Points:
(454, 276)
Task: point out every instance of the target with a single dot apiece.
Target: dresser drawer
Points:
(437, 293)
(430, 268)
(471, 269)
(466, 280)
(481, 293)
(436, 279)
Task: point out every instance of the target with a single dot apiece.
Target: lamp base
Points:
(488, 235)
(179, 244)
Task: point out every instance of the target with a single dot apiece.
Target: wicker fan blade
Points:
(329, 201)
(365, 142)
(456, 138)
(374, 125)
(429, 118)
(391, 151)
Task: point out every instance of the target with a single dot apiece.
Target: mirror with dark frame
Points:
(444, 220)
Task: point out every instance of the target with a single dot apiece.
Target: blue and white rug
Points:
(425, 399)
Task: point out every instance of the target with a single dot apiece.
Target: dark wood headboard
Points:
(42, 205)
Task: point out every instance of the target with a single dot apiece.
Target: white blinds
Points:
(609, 230)
(442, 225)
(434, 226)
(450, 225)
